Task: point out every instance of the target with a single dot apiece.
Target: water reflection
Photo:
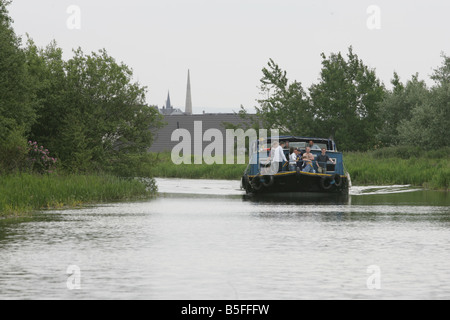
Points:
(300, 198)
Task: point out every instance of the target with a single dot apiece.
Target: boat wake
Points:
(371, 190)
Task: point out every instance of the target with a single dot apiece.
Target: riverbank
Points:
(386, 166)
(372, 168)
(21, 194)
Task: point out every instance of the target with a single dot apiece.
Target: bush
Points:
(13, 152)
(39, 159)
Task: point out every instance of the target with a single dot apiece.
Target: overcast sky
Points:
(226, 43)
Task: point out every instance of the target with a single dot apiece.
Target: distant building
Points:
(209, 121)
(168, 109)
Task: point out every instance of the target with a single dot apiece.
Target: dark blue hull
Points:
(296, 182)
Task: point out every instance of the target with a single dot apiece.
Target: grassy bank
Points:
(381, 167)
(163, 167)
(23, 193)
(400, 166)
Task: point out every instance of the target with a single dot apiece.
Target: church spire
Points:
(168, 104)
(188, 95)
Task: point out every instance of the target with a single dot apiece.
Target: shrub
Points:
(39, 158)
(13, 152)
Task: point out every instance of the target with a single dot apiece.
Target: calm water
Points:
(205, 240)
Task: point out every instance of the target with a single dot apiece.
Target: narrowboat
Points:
(265, 176)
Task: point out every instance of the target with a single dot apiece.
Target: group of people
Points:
(299, 159)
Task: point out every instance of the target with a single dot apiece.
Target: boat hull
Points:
(296, 182)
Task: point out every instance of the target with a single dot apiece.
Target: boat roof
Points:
(300, 139)
(331, 145)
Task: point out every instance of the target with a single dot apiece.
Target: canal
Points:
(204, 239)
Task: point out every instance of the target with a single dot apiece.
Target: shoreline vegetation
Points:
(23, 193)
(386, 166)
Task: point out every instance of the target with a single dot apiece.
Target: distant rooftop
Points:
(183, 121)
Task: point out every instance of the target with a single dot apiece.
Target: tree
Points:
(46, 69)
(430, 117)
(397, 107)
(285, 105)
(346, 101)
(90, 111)
(16, 109)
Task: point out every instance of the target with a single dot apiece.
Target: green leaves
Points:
(350, 104)
(416, 115)
(87, 110)
(15, 94)
(346, 101)
(343, 104)
(285, 105)
(95, 109)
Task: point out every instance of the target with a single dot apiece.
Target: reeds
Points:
(384, 168)
(23, 193)
(165, 168)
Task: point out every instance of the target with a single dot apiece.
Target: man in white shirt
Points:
(277, 154)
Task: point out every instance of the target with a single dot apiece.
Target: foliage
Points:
(397, 107)
(16, 108)
(417, 115)
(164, 167)
(395, 166)
(284, 105)
(94, 109)
(346, 101)
(13, 155)
(23, 193)
(39, 158)
(342, 105)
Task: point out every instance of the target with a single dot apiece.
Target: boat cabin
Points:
(261, 149)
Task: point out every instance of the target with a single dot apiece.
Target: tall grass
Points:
(429, 170)
(164, 167)
(24, 193)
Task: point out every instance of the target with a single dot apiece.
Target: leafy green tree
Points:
(111, 108)
(46, 69)
(430, 118)
(16, 108)
(397, 107)
(90, 110)
(284, 105)
(346, 101)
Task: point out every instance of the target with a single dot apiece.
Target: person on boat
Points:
(277, 154)
(313, 146)
(322, 160)
(299, 158)
(308, 159)
(293, 158)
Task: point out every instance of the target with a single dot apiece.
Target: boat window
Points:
(321, 145)
(302, 145)
(298, 145)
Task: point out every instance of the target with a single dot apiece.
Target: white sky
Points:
(226, 43)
